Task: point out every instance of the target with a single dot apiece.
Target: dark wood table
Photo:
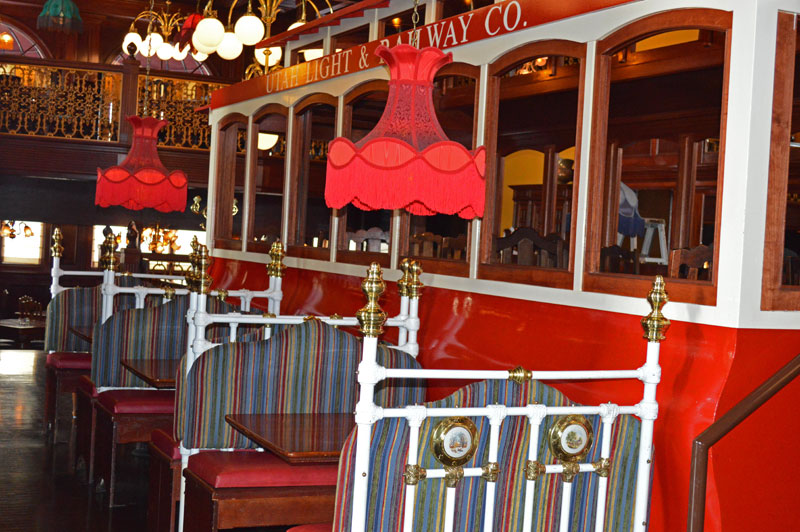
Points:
(22, 332)
(84, 332)
(297, 438)
(157, 373)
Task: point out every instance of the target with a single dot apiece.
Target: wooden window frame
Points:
(535, 275)
(250, 179)
(774, 294)
(699, 292)
(296, 215)
(225, 189)
(343, 254)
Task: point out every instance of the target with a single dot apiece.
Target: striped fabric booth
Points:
(387, 462)
(308, 368)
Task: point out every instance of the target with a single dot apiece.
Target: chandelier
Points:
(160, 28)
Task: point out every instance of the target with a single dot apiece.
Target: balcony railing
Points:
(87, 102)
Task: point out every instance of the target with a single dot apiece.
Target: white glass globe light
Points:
(199, 56)
(275, 53)
(294, 25)
(312, 53)
(209, 32)
(165, 51)
(200, 47)
(249, 29)
(230, 47)
(180, 55)
(150, 44)
(267, 141)
(134, 38)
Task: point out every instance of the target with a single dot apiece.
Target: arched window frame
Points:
(497, 69)
(18, 27)
(227, 162)
(700, 292)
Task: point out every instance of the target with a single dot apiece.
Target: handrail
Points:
(717, 430)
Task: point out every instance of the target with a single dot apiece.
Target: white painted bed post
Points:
(414, 288)
(108, 261)
(56, 251)
(655, 325)
(371, 318)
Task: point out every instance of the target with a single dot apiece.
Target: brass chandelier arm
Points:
(166, 21)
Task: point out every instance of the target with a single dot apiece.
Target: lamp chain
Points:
(147, 69)
(414, 22)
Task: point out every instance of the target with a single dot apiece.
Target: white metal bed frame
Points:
(372, 319)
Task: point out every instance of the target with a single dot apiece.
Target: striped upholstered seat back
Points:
(77, 307)
(304, 369)
(390, 447)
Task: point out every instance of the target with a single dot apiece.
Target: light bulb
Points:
(180, 55)
(266, 141)
(199, 56)
(230, 47)
(165, 51)
(312, 53)
(29, 232)
(209, 32)
(150, 44)
(249, 29)
(202, 48)
(134, 38)
(275, 53)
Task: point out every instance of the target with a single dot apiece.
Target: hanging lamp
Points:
(407, 161)
(60, 15)
(141, 181)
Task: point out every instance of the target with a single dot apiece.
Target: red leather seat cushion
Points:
(69, 360)
(86, 385)
(165, 444)
(253, 469)
(138, 401)
(319, 527)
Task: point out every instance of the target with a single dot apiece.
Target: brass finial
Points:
(56, 250)
(402, 283)
(191, 273)
(202, 279)
(519, 375)
(414, 285)
(372, 317)
(169, 292)
(276, 267)
(222, 294)
(655, 324)
(109, 260)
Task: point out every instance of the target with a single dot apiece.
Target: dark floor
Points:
(39, 492)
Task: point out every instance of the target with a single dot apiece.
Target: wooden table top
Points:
(297, 438)
(84, 332)
(157, 373)
(15, 323)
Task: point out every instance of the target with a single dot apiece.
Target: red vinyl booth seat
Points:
(254, 469)
(86, 385)
(69, 360)
(319, 527)
(138, 401)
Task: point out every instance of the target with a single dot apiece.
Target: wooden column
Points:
(688, 156)
(301, 169)
(130, 97)
(611, 194)
(226, 181)
(549, 184)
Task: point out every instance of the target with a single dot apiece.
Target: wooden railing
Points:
(702, 444)
(84, 101)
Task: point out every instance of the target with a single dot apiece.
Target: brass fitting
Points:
(57, 250)
(655, 325)
(372, 317)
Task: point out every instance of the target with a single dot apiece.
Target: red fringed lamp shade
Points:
(407, 162)
(141, 181)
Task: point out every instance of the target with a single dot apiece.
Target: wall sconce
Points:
(266, 141)
(197, 208)
(7, 229)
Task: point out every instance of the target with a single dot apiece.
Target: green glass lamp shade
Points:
(60, 15)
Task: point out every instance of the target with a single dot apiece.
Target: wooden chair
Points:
(369, 239)
(526, 247)
(688, 263)
(454, 247)
(426, 245)
(614, 259)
